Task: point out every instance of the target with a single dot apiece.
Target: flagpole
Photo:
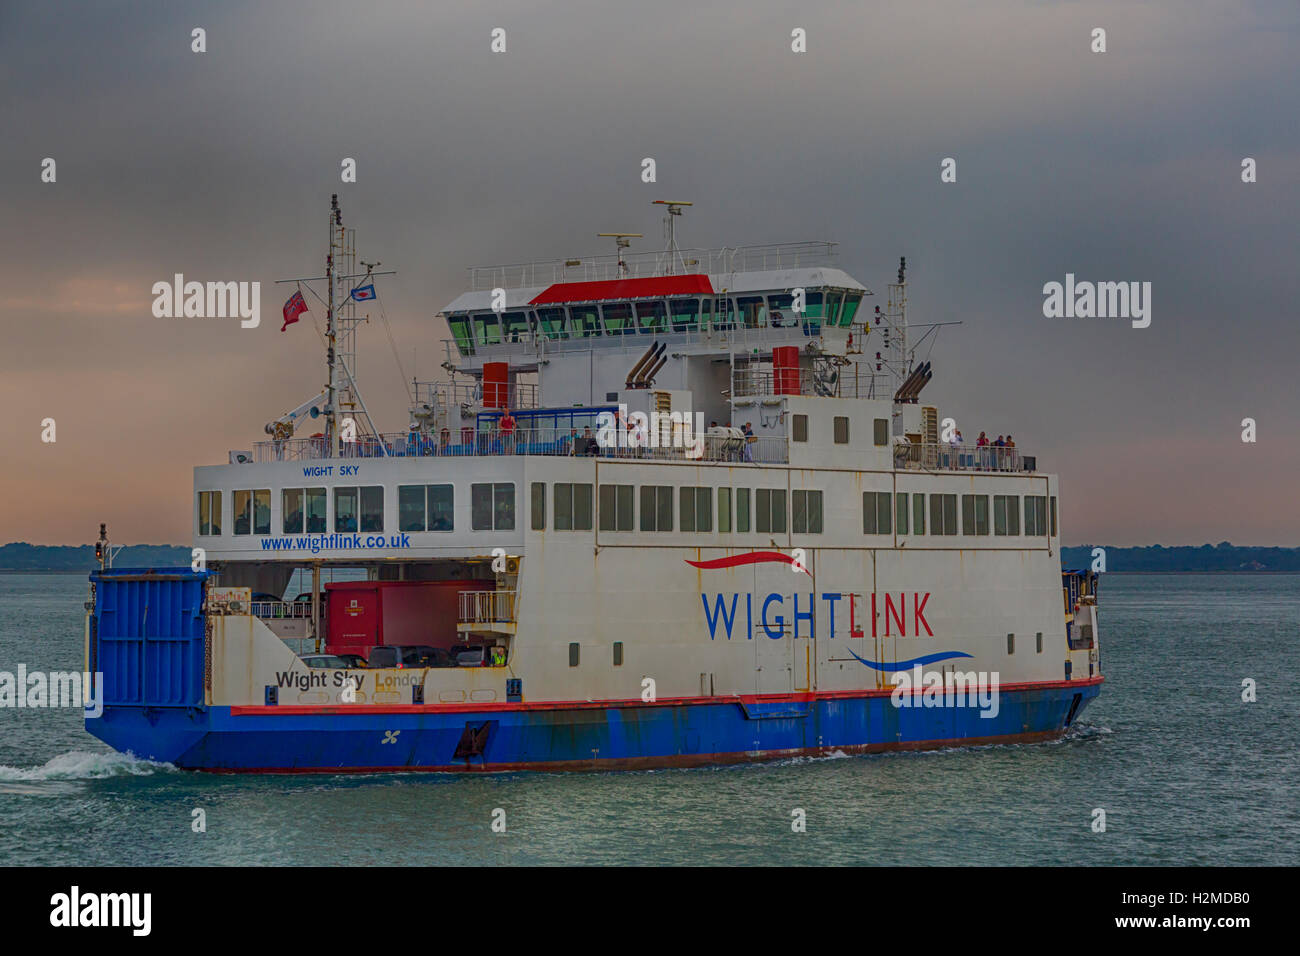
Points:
(331, 421)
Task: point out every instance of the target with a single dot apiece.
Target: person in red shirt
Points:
(507, 425)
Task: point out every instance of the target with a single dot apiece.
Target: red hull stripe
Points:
(738, 560)
(625, 289)
(291, 710)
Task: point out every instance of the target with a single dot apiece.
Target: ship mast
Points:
(331, 337)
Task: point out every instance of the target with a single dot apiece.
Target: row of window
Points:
(840, 430)
(573, 508)
(877, 510)
(653, 316)
(762, 509)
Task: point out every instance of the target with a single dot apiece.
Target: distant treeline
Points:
(21, 556)
(1208, 557)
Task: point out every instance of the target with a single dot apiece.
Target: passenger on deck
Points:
(750, 439)
(507, 424)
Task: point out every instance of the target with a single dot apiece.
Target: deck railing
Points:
(946, 456)
(488, 607)
(551, 442)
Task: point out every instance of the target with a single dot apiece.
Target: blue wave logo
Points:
(914, 662)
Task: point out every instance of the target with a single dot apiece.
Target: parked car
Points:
(331, 661)
(408, 655)
(354, 661)
(467, 655)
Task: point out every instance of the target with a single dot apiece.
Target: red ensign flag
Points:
(295, 307)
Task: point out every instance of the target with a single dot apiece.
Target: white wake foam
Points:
(83, 765)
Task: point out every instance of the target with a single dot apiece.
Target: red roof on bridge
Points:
(647, 288)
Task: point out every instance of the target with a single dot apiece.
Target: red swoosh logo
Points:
(739, 560)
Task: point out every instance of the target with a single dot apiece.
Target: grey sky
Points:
(1116, 166)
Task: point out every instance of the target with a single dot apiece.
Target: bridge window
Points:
(460, 327)
(975, 514)
(584, 321)
(697, 509)
(834, 299)
(572, 507)
(806, 512)
(210, 512)
(724, 314)
(876, 510)
(424, 507)
(813, 306)
(1006, 514)
(943, 514)
(783, 313)
(538, 508)
(652, 317)
(486, 329)
(724, 510)
(303, 509)
(617, 504)
(753, 311)
(685, 314)
(851, 302)
(770, 506)
(252, 511)
(742, 511)
(492, 506)
(900, 511)
(656, 508)
(550, 322)
(841, 424)
(618, 318)
(515, 325)
(1035, 514)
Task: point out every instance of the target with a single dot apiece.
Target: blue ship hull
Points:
(629, 735)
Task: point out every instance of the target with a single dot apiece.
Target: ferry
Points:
(663, 509)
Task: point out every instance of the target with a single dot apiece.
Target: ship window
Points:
(833, 301)
(651, 316)
(486, 329)
(770, 505)
(460, 331)
(724, 510)
(1053, 516)
(900, 511)
(1011, 643)
(573, 655)
(851, 302)
(210, 512)
(880, 432)
(515, 325)
(291, 517)
(753, 311)
(918, 513)
(372, 508)
(423, 508)
(538, 508)
(841, 427)
(345, 509)
(876, 510)
(800, 429)
(584, 321)
(1035, 515)
(812, 306)
(806, 512)
(742, 510)
(706, 312)
(975, 514)
(572, 503)
(684, 313)
(616, 507)
(1038, 640)
(725, 315)
(656, 508)
(618, 317)
(242, 511)
(492, 506)
(1006, 514)
(262, 511)
(782, 310)
(551, 323)
(618, 653)
(696, 509)
(943, 514)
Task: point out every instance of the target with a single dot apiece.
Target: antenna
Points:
(622, 240)
(670, 234)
